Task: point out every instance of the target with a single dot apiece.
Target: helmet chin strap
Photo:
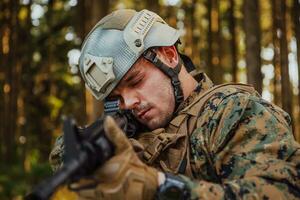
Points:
(151, 56)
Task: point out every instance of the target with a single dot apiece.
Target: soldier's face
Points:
(148, 93)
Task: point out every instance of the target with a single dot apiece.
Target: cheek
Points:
(159, 93)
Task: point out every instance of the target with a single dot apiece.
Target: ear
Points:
(169, 55)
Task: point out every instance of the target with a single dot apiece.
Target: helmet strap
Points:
(151, 56)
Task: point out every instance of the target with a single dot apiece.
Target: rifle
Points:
(85, 149)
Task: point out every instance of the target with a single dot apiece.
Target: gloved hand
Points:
(124, 176)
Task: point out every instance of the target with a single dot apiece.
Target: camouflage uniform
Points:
(239, 147)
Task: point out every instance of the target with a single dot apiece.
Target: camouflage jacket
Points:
(242, 148)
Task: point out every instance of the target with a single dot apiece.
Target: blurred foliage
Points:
(39, 82)
(14, 182)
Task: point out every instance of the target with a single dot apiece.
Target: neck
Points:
(188, 83)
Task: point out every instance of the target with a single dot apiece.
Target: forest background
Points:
(248, 41)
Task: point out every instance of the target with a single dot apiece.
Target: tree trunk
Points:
(286, 93)
(276, 59)
(11, 70)
(2, 82)
(214, 67)
(195, 31)
(252, 32)
(209, 40)
(296, 17)
(190, 39)
(153, 5)
(26, 61)
(233, 41)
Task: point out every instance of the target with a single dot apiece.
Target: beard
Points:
(158, 120)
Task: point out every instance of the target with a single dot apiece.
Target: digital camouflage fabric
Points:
(241, 147)
(56, 155)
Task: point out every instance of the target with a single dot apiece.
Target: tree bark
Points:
(2, 82)
(26, 61)
(214, 67)
(190, 39)
(280, 18)
(195, 36)
(296, 17)
(252, 32)
(11, 70)
(276, 59)
(153, 5)
(232, 25)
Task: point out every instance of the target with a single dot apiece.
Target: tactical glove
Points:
(124, 176)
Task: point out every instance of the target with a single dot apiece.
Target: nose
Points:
(129, 100)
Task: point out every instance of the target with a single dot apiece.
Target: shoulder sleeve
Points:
(243, 147)
(56, 154)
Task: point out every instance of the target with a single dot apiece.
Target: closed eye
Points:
(136, 81)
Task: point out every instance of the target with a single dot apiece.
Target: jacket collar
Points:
(203, 85)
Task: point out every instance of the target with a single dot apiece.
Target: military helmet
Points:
(115, 44)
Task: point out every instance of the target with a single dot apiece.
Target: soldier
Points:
(206, 141)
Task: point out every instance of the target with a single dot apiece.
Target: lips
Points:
(142, 113)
